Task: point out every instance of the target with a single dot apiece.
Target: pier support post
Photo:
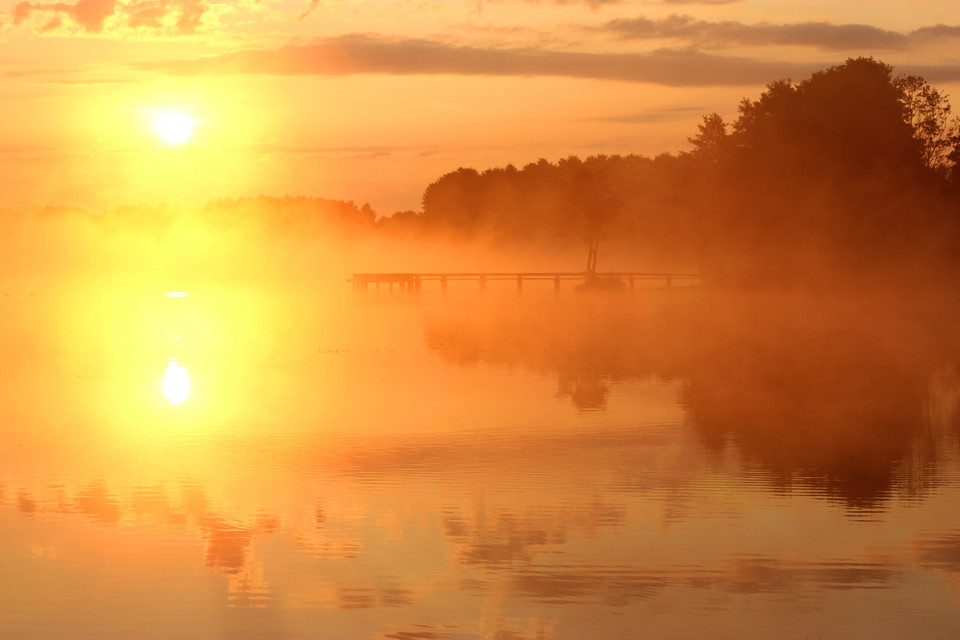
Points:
(556, 283)
(519, 283)
(483, 283)
(443, 283)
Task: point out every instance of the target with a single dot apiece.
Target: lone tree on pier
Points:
(593, 202)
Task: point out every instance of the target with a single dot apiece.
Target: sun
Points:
(176, 382)
(174, 128)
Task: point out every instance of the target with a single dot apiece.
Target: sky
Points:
(371, 101)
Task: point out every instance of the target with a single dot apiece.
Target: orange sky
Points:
(370, 100)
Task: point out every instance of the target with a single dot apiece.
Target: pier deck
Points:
(412, 282)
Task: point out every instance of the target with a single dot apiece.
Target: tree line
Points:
(852, 174)
(849, 176)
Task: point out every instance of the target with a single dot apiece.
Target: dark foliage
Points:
(847, 178)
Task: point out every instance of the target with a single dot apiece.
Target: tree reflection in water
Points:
(840, 394)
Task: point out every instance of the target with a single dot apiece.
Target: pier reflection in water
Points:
(480, 467)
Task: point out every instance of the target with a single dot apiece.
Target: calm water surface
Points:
(502, 467)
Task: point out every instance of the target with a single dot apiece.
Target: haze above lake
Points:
(478, 466)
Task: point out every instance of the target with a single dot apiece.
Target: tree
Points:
(711, 139)
(593, 201)
(450, 202)
(822, 179)
(927, 110)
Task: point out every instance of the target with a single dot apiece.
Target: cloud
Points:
(934, 73)
(72, 76)
(89, 14)
(175, 16)
(190, 13)
(702, 33)
(370, 54)
(147, 15)
(653, 116)
(593, 4)
(52, 25)
(700, 1)
(936, 32)
(821, 35)
(310, 7)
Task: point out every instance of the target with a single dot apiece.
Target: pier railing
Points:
(412, 282)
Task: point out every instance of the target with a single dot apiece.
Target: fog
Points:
(822, 222)
(844, 393)
(171, 248)
(843, 390)
(845, 181)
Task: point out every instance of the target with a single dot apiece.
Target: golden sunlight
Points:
(176, 382)
(174, 128)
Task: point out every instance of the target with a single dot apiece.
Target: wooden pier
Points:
(411, 283)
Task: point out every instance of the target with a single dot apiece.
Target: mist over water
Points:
(533, 465)
(206, 433)
(837, 391)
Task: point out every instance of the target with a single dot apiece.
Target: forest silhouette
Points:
(847, 179)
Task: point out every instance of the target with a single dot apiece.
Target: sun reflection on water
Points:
(176, 382)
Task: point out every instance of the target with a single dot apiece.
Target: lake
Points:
(664, 464)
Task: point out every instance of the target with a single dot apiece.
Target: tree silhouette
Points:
(451, 201)
(845, 176)
(711, 140)
(927, 110)
(595, 196)
(822, 181)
